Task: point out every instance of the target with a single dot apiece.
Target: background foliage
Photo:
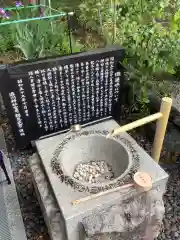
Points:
(36, 39)
(148, 30)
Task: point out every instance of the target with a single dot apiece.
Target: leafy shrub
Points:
(6, 39)
(148, 30)
(93, 14)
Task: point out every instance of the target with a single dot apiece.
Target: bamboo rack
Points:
(162, 121)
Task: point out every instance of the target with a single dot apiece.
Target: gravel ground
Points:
(31, 212)
(171, 222)
(32, 216)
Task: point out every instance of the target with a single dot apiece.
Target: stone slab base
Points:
(11, 222)
(54, 218)
(51, 213)
(79, 222)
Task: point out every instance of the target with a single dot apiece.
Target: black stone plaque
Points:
(50, 95)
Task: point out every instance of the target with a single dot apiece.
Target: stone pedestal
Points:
(119, 215)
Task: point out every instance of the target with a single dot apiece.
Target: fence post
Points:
(161, 128)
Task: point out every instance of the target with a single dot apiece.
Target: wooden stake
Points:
(161, 128)
(135, 124)
(142, 183)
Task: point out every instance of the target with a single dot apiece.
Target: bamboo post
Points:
(161, 128)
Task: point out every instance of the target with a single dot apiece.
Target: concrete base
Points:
(75, 222)
(54, 219)
(50, 210)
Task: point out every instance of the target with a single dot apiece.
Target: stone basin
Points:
(88, 146)
(73, 216)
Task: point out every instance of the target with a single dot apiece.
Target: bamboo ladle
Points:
(142, 183)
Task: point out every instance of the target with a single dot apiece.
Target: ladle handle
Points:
(142, 183)
(75, 202)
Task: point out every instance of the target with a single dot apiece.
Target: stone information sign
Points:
(47, 96)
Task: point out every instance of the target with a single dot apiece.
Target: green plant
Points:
(148, 30)
(151, 46)
(6, 40)
(175, 23)
(93, 14)
(36, 39)
(57, 41)
(30, 40)
(43, 38)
